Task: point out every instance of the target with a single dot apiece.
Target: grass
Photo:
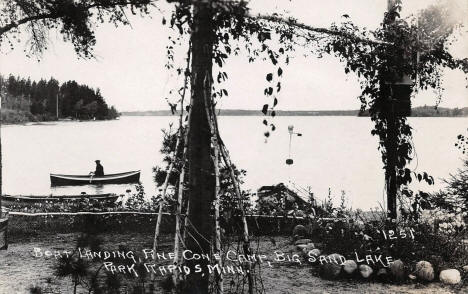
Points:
(21, 270)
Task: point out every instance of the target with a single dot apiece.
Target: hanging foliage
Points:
(391, 62)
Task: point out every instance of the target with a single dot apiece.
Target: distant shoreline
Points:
(423, 111)
(31, 120)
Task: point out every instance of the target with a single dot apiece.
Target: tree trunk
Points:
(1, 170)
(201, 180)
(391, 169)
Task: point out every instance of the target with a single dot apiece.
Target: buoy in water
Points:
(289, 161)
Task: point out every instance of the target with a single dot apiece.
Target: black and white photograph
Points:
(234, 146)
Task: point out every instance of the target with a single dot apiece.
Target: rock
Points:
(331, 265)
(349, 266)
(450, 276)
(301, 247)
(336, 258)
(397, 268)
(312, 256)
(311, 246)
(330, 270)
(465, 268)
(382, 272)
(365, 270)
(290, 249)
(318, 245)
(302, 241)
(315, 252)
(306, 247)
(412, 277)
(424, 271)
(299, 231)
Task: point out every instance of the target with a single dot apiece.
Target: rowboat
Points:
(68, 180)
(21, 199)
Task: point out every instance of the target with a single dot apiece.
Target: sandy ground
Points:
(20, 269)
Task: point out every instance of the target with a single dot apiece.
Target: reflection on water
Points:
(335, 152)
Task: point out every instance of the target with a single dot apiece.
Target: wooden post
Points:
(396, 94)
(390, 4)
(390, 144)
(391, 170)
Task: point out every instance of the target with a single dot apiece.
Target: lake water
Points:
(334, 152)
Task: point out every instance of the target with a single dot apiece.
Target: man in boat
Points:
(99, 172)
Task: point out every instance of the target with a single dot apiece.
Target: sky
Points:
(129, 65)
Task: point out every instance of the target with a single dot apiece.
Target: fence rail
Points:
(20, 213)
(27, 223)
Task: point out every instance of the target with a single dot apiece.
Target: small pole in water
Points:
(289, 160)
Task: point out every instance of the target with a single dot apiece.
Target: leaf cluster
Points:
(74, 20)
(414, 49)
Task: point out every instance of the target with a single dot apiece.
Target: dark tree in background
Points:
(75, 20)
(49, 100)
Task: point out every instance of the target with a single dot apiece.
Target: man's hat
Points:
(97, 160)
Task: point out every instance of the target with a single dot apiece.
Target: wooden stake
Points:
(173, 159)
(175, 277)
(217, 201)
(164, 190)
(235, 182)
(246, 245)
(214, 141)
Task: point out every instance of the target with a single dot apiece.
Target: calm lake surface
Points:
(334, 152)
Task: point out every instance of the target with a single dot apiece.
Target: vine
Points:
(415, 52)
(413, 49)
(391, 63)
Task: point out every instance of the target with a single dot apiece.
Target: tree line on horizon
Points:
(418, 111)
(26, 100)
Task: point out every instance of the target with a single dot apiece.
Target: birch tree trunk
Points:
(180, 133)
(164, 191)
(218, 243)
(210, 113)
